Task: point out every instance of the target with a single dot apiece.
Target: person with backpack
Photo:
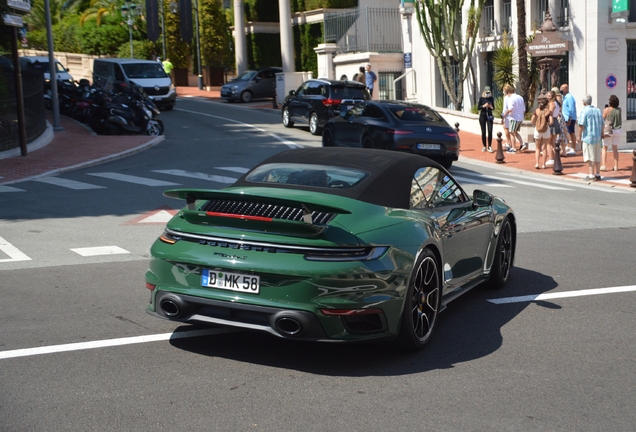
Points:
(542, 120)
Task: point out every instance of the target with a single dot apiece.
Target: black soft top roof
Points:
(390, 173)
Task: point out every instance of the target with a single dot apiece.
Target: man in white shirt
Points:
(515, 109)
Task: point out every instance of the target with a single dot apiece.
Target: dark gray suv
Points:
(318, 100)
(252, 84)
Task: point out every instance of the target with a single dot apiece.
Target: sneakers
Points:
(569, 151)
(592, 178)
(483, 149)
(549, 163)
(490, 150)
(511, 150)
(523, 148)
(603, 168)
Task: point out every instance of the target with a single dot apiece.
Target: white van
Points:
(147, 74)
(42, 63)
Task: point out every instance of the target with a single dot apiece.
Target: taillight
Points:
(150, 286)
(398, 132)
(451, 134)
(331, 102)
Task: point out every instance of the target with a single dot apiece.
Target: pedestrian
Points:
(554, 105)
(167, 66)
(515, 107)
(613, 118)
(343, 77)
(371, 79)
(505, 120)
(569, 115)
(590, 132)
(486, 104)
(542, 120)
(361, 76)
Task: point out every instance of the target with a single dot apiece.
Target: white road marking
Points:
(133, 179)
(70, 184)
(239, 170)
(99, 250)
(12, 251)
(480, 182)
(572, 184)
(162, 216)
(290, 144)
(26, 352)
(526, 183)
(10, 189)
(198, 175)
(565, 294)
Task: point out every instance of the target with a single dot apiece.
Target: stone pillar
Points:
(325, 53)
(286, 36)
(240, 43)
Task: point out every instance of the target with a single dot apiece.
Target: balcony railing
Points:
(364, 29)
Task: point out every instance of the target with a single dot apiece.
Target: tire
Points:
(327, 138)
(314, 129)
(502, 262)
(168, 107)
(156, 128)
(446, 163)
(367, 142)
(246, 96)
(422, 303)
(287, 118)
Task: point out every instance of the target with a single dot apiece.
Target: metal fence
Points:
(388, 91)
(35, 119)
(364, 29)
(630, 102)
(506, 16)
(488, 18)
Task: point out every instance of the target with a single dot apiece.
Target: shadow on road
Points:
(470, 328)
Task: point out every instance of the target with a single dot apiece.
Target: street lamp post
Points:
(196, 23)
(129, 12)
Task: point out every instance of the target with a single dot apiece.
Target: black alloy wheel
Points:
(327, 138)
(502, 262)
(422, 303)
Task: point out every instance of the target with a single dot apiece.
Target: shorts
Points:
(515, 125)
(591, 152)
(545, 134)
(555, 129)
(613, 140)
(570, 124)
(506, 122)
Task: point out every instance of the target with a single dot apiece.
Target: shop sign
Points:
(19, 4)
(548, 44)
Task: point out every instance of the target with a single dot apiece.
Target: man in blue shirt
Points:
(568, 111)
(371, 79)
(590, 132)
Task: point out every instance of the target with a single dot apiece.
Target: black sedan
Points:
(394, 125)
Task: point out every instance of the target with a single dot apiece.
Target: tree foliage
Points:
(216, 37)
(504, 60)
(441, 28)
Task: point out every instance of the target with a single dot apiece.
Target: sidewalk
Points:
(77, 147)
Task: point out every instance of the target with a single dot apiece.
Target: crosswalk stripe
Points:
(13, 252)
(481, 182)
(198, 175)
(70, 184)
(10, 189)
(239, 170)
(133, 179)
(526, 183)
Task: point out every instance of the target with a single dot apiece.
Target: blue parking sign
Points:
(407, 61)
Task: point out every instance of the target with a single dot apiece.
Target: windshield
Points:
(247, 75)
(414, 113)
(45, 67)
(144, 70)
(307, 175)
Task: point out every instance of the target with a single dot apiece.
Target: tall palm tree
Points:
(522, 54)
(97, 10)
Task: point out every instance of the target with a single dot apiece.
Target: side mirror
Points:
(482, 198)
(292, 92)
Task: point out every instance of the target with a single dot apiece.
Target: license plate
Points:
(231, 281)
(429, 147)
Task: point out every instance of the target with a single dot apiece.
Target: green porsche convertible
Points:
(330, 244)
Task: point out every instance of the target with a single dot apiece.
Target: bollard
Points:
(499, 156)
(557, 169)
(632, 179)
